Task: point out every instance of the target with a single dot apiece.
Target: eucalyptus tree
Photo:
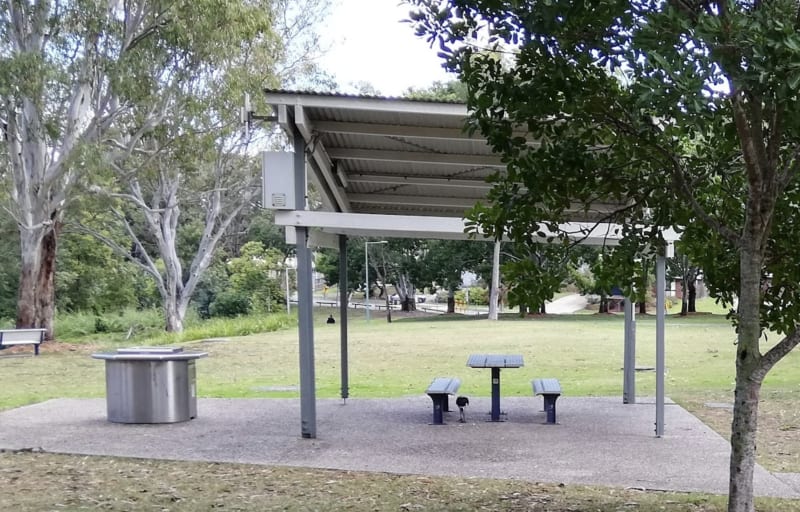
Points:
(64, 70)
(403, 263)
(327, 263)
(198, 159)
(396, 262)
(682, 113)
(77, 75)
(689, 274)
(443, 263)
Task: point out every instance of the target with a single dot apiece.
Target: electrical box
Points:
(277, 180)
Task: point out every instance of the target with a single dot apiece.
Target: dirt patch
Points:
(110, 483)
(409, 314)
(51, 347)
(778, 437)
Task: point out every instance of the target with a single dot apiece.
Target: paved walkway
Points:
(597, 441)
(567, 304)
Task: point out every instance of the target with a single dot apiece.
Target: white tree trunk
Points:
(405, 290)
(67, 104)
(30, 242)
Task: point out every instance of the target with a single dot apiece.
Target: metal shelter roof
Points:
(387, 155)
(394, 167)
(411, 159)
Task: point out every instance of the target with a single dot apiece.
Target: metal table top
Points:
(149, 354)
(495, 361)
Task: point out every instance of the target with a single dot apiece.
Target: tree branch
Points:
(679, 178)
(123, 252)
(775, 354)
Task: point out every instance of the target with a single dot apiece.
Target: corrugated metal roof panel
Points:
(393, 155)
(333, 94)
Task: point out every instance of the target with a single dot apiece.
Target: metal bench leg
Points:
(550, 407)
(438, 418)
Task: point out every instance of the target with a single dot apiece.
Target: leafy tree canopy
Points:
(648, 113)
(644, 106)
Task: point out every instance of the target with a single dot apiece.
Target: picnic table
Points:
(495, 362)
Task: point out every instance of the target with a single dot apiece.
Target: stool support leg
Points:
(550, 407)
(438, 417)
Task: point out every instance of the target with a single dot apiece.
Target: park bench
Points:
(550, 389)
(10, 337)
(440, 390)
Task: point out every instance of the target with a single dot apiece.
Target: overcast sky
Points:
(370, 44)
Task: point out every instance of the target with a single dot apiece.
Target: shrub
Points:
(230, 303)
(477, 295)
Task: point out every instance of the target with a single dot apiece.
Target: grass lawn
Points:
(391, 360)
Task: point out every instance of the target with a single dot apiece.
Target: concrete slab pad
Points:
(597, 441)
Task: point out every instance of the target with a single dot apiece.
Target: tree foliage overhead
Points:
(675, 113)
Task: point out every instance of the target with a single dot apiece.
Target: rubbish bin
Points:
(150, 384)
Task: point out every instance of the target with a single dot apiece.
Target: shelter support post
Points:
(495, 290)
(629, 358)
(343, 280)
(308, 400)
(305, 301)
(661, 265)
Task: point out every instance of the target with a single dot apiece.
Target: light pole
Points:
(288, 263)
(366, 273)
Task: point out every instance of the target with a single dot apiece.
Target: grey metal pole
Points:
(288, 306)
(343, 314)
(661, 266)
(366, 278)
(629, 359)
(495, 290)
(305, 301)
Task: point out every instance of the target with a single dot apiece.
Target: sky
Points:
(369, 43)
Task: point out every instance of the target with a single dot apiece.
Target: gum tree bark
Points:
(56, 99)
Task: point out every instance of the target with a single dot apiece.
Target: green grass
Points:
(398, 359)
(704, 305)
(584, 351)
(392, 360)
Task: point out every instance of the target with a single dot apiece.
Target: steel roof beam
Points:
(416, 157)
(418, 181)
(321, 158)
(435, 201)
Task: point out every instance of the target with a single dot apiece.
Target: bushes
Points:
(147, 327)
(230, 303)
(248, 284)
(222, 327)
(72, 326)
(477, 296)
